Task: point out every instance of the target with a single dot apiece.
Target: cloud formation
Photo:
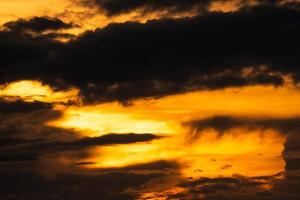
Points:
(286, 126)
(116, 7)
(169, 7)
(256, 44)
(132, 60)
(38, 25)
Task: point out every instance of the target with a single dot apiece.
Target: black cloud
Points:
(21, 106)
(132, 60)
(70, 186)
(38, 24)
(224, 123)
(43, 146)
(240, 187)
(113, 139)
(116, 7)
(15, 149)
(160, 165)
(30, 125)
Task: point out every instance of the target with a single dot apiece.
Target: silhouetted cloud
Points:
(159, 165)
(255, 45)
(32, 125)
(169, 7)
(224, 123)
(38, 24)
(116, 7)
(113, 139)
(240, 187)
(71, 186)
(20, 106)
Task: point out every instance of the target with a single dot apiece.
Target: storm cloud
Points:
(255, 45)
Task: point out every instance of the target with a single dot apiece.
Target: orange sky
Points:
(246, 135)
(87, 18)
(165, 116)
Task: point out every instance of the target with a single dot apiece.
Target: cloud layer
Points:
(254, 45)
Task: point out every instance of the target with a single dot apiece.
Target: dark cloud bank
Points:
(169, 7)
(167, 56)
(117, 7)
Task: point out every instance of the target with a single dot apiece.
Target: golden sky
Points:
(219, 116)
(209, 154)
(88, 18)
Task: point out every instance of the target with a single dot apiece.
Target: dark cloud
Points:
(18, 157)
(8, 141)
(169, 7)
(255, 45)
(204, 180)
(117, 7)
(26, 147)
(27, 142)
(24, 53)
(55, 36)
(109, 139)
(156, 165)
(38, 24)
(160, 165)
(169, 56)
(132, 60)
(224, 123)
(240, 187)
(39, 147)
(113, 139)
(23, 126)
(32, 125)
(292, 163)
(129, 186)
(70, 186)
(20, 106)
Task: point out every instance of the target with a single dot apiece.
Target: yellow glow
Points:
(225, 6)
(13, 9)
(237, 152)
(98, 122)
(36, 91)
(251, 153)
(166, 115)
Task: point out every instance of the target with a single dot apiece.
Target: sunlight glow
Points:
(238, 150)
(30, 91)
(166, 115)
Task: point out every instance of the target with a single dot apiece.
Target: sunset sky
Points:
(149, 99)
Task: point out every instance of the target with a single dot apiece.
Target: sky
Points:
(149, 99)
